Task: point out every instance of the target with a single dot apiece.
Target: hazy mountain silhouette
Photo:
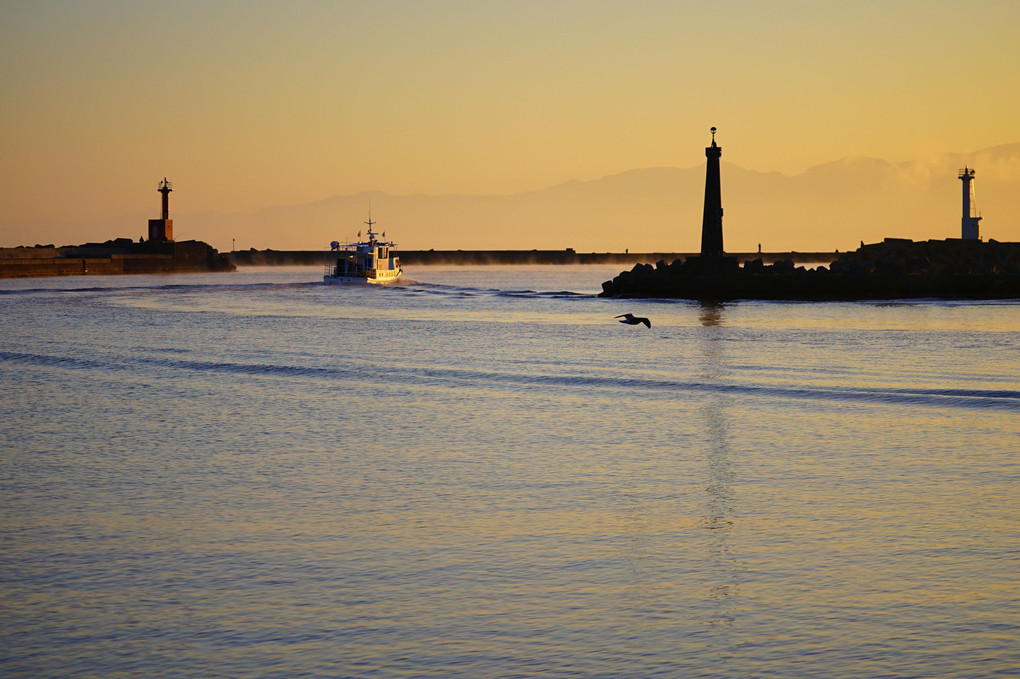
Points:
(831, 206)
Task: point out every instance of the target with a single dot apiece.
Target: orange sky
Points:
(245, 105)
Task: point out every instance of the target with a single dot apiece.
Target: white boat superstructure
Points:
(371, 261)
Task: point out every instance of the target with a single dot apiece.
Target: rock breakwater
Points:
(893, 269)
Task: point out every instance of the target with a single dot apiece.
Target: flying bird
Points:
(631, 319)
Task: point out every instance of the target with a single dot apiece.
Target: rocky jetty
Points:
(893, 269)
(118, 256)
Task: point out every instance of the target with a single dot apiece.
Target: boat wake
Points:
(447, 376)
(468, 291)
(405, 286)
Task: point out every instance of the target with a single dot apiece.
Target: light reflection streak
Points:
(717, 509)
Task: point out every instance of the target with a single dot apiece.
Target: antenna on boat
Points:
(371, 234)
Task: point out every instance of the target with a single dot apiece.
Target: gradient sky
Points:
(245, 105)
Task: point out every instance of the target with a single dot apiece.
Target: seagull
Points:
(631, 319)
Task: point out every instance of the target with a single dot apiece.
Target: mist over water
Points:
(481, 473)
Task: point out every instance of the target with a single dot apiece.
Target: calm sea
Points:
(480, 473)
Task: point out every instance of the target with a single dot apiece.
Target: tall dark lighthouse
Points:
(711, 223)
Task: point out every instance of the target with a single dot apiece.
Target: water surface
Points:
(481, 473)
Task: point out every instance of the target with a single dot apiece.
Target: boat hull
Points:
(381, 278)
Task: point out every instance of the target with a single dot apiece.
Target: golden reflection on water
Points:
(711, 313)
(717, 510)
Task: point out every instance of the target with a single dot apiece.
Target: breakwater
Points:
(120, 256)
(893, 269)
(504, 257)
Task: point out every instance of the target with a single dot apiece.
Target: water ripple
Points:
(984, 399)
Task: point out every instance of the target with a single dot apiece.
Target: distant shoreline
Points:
(514, 257)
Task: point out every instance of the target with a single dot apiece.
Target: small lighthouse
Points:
(162, 230)
(970, 219)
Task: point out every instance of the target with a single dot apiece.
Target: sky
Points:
(247, 105)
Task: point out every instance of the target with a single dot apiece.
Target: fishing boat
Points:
(366, 261)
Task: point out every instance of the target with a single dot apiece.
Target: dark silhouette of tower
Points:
(711, 223)
(970, 230)
(165, 188)
(162, 230)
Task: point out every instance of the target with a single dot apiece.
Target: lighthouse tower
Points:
(970, 217)
(162, 230)
(711, 221)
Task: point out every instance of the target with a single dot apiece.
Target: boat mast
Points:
(371, 233)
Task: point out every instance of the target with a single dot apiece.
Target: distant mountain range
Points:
(828, 207)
